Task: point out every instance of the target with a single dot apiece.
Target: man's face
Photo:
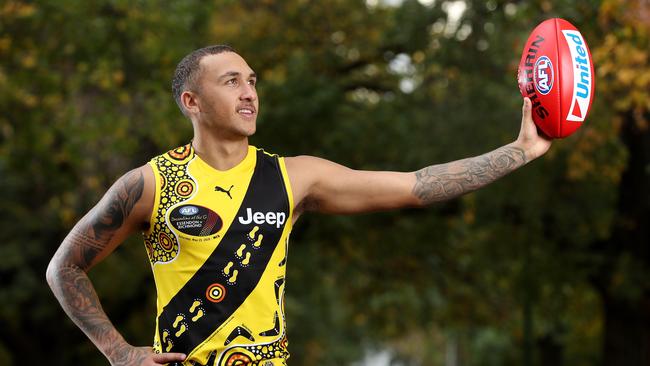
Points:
(227, 98)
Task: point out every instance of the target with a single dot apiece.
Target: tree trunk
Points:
(626, 339)
(627, 332)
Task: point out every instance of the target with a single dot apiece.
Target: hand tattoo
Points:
(441, 182)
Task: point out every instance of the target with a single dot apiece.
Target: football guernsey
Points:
(218, 245)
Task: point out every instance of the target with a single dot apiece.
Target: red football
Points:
(557, 74)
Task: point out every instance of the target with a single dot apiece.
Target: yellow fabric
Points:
(183, 178)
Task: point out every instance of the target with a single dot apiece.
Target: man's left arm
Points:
(320, 185)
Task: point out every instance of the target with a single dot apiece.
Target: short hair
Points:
(187, 70)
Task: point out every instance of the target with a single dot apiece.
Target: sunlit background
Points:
(548, 266)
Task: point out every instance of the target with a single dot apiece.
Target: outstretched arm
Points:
(444, 181)
(320, 185)
(122, 211)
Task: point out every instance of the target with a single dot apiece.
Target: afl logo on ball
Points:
(543, 74)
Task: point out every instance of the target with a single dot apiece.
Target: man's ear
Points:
(190, 102)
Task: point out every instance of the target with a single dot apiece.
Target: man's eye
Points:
(252, 82)
(232, 82)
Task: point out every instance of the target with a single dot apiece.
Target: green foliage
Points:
(85, 96)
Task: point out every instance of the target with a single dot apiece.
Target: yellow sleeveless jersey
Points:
(218, 245)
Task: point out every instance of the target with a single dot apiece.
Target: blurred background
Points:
(548, 266)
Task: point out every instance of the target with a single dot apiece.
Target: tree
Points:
(539, 268)
(624, 273)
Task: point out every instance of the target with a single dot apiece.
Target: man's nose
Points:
(248, 93)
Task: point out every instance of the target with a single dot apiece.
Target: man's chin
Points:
(249, 126)
(247, 133)
(251, 131)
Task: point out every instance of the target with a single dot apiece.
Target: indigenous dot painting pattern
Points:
(215, 292)
(257, 355)
(176, 186)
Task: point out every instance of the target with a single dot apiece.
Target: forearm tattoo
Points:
(80, 248)
(441, 182)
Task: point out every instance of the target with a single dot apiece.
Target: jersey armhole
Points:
(156, 198)
(287, 185)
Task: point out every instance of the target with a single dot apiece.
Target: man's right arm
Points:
(123, 210)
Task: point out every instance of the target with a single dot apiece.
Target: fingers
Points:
(168, 357)
(526, 110)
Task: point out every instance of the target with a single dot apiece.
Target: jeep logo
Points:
(271, 218)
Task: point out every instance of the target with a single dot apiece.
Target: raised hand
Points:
(530, 139)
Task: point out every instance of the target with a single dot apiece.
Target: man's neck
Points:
(220, 154)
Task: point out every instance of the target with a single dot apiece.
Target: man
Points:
(216, 215)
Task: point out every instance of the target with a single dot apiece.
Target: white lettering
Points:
(582, 76)
(281, 219)
(247, 220)
(271, 218)
(258, 217)
(542, 75)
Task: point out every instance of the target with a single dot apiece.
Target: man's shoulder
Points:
(177, 155)
(307, 169)
(134, 190)
(308, 162)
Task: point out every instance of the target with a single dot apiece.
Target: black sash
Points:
(209, 291)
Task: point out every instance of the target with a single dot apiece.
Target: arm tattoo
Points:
(67, 272)
(79, 299)
(441, 182)
(119, 206)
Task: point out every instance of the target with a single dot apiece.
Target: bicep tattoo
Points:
(118, 206)
(88, 238)
(441, 182)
